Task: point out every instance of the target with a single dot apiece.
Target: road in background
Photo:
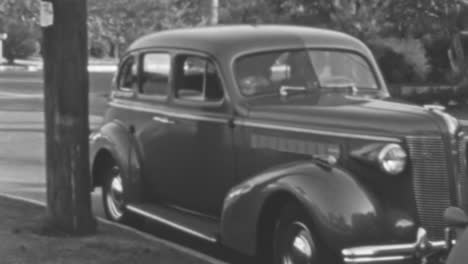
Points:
(23, 91)
(22, 143)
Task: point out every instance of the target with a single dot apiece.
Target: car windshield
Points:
(303, 70)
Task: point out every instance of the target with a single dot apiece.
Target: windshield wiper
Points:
(289, 90)
(348, 87)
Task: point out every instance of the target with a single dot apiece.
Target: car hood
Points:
(336, 112)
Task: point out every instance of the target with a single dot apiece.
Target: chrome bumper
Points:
(398, 253)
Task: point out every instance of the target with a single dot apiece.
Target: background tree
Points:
(119, 22)
(18, 18)
(419, 17)
(21, 42)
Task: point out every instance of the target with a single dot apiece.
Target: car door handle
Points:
(163, 120)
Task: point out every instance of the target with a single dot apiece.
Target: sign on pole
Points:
(46, 14)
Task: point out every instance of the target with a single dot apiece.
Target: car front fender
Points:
(342, 212)
(116, 139)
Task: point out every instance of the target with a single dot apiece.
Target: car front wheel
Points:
(293, 241)
(113, 195)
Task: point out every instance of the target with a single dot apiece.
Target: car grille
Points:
(430, 182)
(462, 177)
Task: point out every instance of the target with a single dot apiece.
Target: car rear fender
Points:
(340, 209)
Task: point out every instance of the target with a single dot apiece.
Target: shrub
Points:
(98, 49)
(21, 42)
(402, 60)
(437, 53)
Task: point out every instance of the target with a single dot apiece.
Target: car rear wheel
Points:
(113, 195)
(293, 241)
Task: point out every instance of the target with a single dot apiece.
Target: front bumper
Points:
(398, 253)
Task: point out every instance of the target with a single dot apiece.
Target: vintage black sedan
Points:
(278, 142)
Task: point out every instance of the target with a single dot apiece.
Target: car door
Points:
(199, 154)
(150, 133)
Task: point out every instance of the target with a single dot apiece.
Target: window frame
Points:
(187, 102)
(156, 97)
(134, 57)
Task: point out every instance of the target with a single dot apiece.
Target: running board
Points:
(206, 229)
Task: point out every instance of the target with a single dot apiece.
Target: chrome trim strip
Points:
(265, 125)
(376, 259)
(163, 120)
(169, 113)
(424, 137)
(381, 253)
(171, 224)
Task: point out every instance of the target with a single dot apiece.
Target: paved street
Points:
(22, 146)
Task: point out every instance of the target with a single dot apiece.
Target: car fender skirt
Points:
(341, 211)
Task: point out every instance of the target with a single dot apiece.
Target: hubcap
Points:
(298, 247)
(115, 196)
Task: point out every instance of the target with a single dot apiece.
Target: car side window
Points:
(156, 68)
(198, 80)
(128, 77)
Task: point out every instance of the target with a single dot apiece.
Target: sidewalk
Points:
(26, 240)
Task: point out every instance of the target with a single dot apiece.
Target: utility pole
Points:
(214, 12)
(66, 81)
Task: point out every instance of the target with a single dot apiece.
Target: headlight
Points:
(392, 159)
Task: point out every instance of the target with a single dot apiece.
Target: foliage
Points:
(437, 53)
(393, 65)
(413, 53)
(419, 17)
(98, 48)
(402, 60)
(119, 22)
(20, 42)
(25, 11)
(18, 18)
(365, 21)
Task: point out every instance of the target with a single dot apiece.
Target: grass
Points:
(23, 241)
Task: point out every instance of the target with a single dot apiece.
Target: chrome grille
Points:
(430, 182)
(462, 180)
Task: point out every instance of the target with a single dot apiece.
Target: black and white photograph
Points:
(233, 131)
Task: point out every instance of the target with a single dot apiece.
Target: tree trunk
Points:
(66, 115)
(116, 49)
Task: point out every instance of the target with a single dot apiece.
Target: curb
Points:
(143, 235)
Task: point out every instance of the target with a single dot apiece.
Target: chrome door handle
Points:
(163, 120)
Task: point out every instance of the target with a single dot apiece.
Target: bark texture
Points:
(66, 115)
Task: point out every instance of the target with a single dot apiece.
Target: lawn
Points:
(25, 241)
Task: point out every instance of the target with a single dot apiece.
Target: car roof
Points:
(232, 40)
